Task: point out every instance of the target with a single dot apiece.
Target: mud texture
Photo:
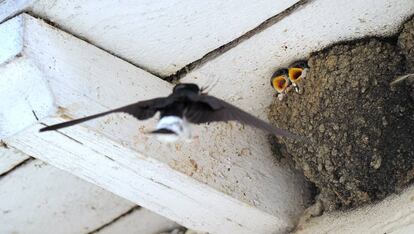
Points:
(406, 44)
(361, 130)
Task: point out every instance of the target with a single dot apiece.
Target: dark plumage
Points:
(186, 102)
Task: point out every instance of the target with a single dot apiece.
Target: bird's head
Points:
(279, 80)
(186, 88)
(297, 71)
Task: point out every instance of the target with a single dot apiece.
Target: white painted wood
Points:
(11, 39)
(140, 221)
(8, 8)
(120, 170)
(393, 215)
(25, 96)
(11, 34)
(9, 158)
(225, 181)
(161, 36)
(68, 202)
(38, 198)
(244, 72)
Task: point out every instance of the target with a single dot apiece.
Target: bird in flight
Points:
(186, 104)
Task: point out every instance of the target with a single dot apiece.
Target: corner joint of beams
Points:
(24, 93)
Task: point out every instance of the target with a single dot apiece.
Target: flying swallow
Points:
(186, 104)
(281, 83)
(297, 73)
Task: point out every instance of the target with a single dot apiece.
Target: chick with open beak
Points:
(297, 73)
(280, 82)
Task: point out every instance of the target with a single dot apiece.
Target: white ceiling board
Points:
(140, 221)
(161, 36)
(38, 198)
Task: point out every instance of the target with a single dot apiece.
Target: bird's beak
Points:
(295, 74)
(279, 83)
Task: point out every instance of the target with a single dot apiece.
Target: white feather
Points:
(179, 126)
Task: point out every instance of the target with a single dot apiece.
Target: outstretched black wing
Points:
(140, 110)
(205, 109)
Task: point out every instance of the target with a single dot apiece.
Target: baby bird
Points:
(297, 73)
(281, 83)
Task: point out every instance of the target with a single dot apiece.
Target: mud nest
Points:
(361, 129)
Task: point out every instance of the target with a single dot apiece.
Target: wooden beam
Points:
(224, 182)
(36, 195)
(163, 36)
(38, 198)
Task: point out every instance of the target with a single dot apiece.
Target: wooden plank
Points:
(140, 221)
(11, 35)
(393, 215)
(159, 36)
(38, 198)
(90, 208)
(225, 181)
(119, 171)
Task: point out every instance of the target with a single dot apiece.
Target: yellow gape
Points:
(286, 79)
(295, 74)
(280, 83)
